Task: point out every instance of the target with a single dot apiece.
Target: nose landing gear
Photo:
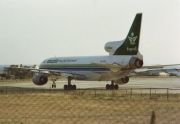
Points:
(54, 84)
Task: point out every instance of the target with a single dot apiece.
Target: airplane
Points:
(124, 57)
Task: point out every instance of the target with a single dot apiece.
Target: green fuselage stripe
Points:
(66, 65)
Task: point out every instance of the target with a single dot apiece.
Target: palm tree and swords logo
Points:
(132, 40)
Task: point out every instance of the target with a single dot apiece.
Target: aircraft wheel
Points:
(69, 87)
(112, 87)
(107, 87)
(74, 87)
(53, 86)
(116, 87)
(65, 87)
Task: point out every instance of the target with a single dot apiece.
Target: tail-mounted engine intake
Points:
(135, 63)
(39, 79)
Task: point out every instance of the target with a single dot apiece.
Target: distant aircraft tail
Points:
(131, 43)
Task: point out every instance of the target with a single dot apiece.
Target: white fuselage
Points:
(85, 66)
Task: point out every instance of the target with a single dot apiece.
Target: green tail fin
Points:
(131, 43)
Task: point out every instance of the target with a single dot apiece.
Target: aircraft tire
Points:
(53, 86)
(65, 87)
(74, 87)
(107, 87)
(70, 87)
(112, 87)
(116, 87)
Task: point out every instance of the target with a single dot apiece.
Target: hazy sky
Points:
(33, 30)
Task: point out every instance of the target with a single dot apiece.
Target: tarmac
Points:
(173, 83)
(135, 85)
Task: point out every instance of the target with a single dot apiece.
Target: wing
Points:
(158, 66)
(170, 69)
(66, 74)
(116, 67)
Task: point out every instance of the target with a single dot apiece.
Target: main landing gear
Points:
(112, 86)
(69, 86)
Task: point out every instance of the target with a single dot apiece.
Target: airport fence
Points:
(89, 106)
(128, 93)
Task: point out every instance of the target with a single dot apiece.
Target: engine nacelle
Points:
(135, 63)
(39, 79)
(122, 80)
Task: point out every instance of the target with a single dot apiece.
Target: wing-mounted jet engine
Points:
(114, 84)
(39, 79)
(122, 80)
